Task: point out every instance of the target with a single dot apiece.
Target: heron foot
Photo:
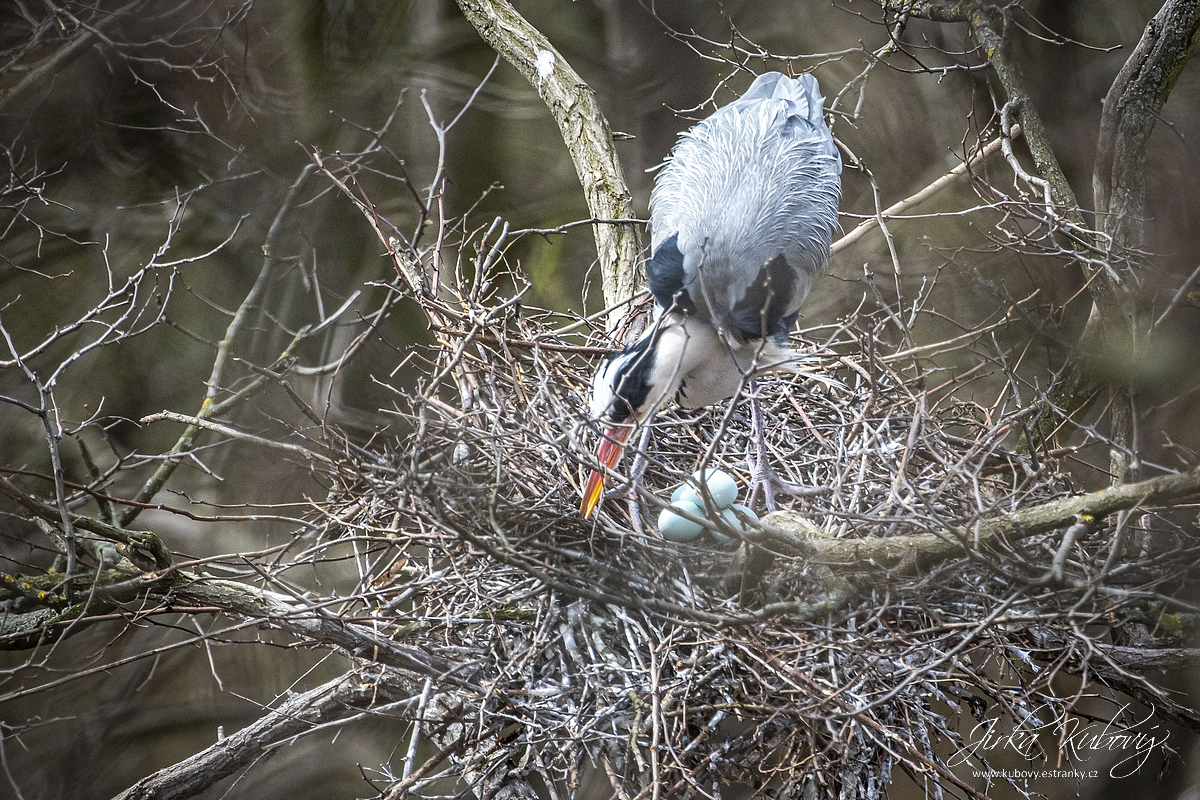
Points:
(763, 475)
(764, 478)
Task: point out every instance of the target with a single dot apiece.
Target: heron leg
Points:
(636, 470)
(763, 475)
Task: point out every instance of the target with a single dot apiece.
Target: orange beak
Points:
(608, 454)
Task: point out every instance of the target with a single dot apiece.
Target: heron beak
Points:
(608, 454)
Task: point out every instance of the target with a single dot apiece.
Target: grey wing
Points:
(745, 209)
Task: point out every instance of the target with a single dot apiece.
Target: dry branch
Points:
(585, 131)
(926, 549)
(209, 406)
(917, 198)
(299, 714)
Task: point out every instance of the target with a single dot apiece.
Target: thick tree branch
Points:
(1131, 109)
(143, 548)
(315, 623)
(584, 130)
(924, 549)
(988, 26)
(336, 700)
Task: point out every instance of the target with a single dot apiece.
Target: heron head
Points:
(619, 388)
(621, 394)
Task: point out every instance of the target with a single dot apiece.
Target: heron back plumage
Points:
(742, 216)
(744, 211)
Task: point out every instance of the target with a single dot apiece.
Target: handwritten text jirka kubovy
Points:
(1078, 738)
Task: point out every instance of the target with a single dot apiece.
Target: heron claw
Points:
(764, 478)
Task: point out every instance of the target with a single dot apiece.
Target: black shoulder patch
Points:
(764, 306)
(665, 273)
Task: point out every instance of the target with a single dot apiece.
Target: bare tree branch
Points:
(345, 696)
(584, 130)
(916, 199)
(188, 439)
(925, 549)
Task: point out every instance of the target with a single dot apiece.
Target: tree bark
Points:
(584, 130)
(300, 713)
(924, 549)
(1131, 109)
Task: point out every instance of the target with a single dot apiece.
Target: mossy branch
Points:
(584, 130)
(143, 548)
(1131, 109)
(926, 549)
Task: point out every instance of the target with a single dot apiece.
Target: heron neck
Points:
(696, 366)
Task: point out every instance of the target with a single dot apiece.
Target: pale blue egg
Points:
(676, 528)
(738, 517)
(720, 485)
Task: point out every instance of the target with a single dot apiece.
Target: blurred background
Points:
(185, 124)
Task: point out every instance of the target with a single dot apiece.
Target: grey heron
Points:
(742, 216)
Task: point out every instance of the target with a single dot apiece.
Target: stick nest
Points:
(599, 651)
